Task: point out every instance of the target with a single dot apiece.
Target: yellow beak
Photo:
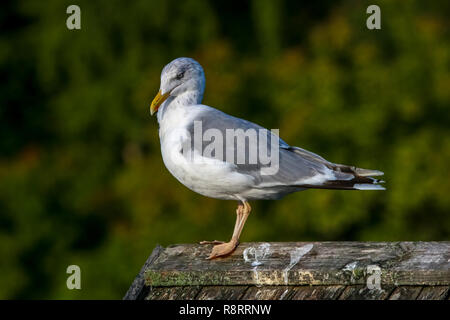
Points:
(159, 99)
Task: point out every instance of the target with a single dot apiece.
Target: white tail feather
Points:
(367, 186)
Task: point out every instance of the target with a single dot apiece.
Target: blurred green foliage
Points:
(81, 176)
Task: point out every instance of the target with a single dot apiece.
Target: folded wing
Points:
(297, 167)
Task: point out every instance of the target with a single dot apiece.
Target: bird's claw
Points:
(212, 242)
(223, 249)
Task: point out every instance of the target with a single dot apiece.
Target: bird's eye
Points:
(180, 75)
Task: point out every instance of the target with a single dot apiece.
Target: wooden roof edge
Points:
(137, 289)
(298, 263)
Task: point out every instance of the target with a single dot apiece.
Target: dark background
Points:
(81, 176)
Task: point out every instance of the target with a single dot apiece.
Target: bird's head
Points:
(179, 76)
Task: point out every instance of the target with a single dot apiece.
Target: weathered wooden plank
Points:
(434, 293)
(405, 293)
(300, 263)
(221, 293)
(317, 292)
(361, 292)
(137, 290)
(173, 293)
(268, 293)
(356, 292)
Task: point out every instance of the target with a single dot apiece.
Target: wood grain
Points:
(327, 263)
(138, 290)
(406, 293)
(434, 293)
(221, 293)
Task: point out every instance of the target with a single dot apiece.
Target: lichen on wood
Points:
(298, 270)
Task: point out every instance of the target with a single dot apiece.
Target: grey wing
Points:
(287, 166)
(292, 167)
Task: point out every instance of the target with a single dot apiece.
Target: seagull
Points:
(190, 157)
